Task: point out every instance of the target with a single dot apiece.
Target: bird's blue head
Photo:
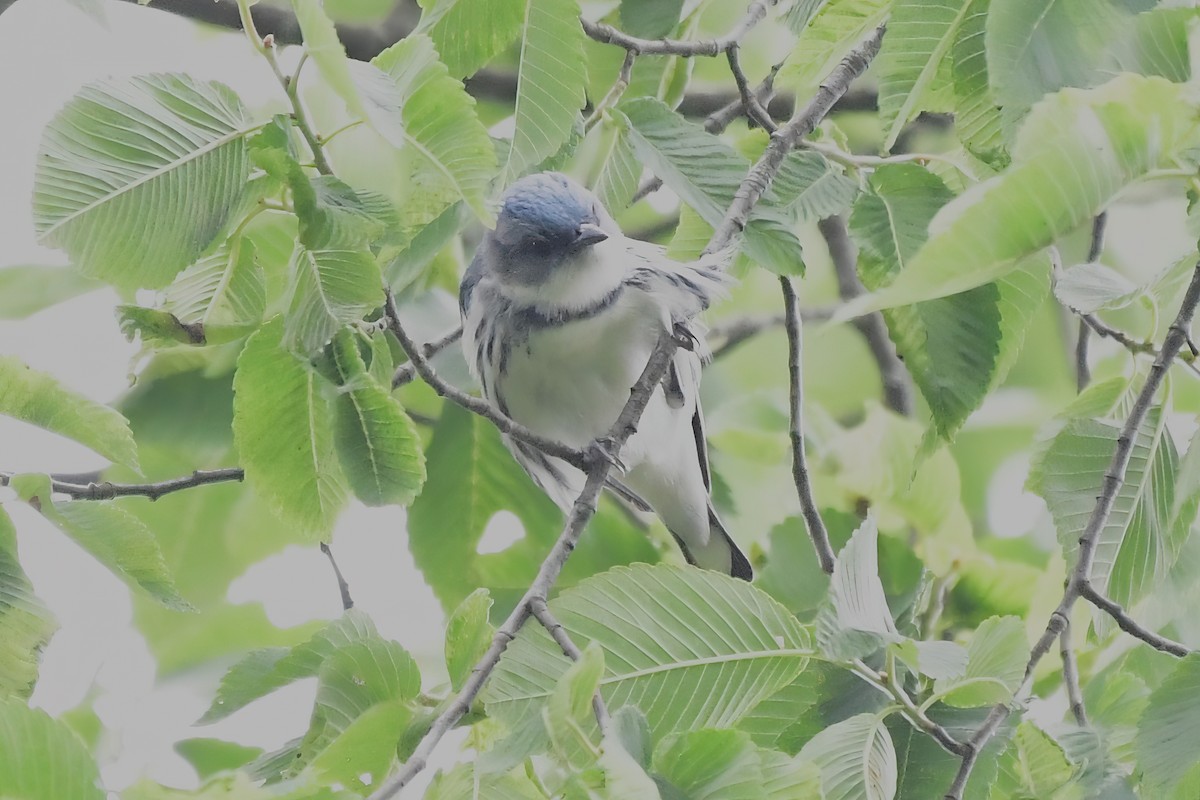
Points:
(545, 220)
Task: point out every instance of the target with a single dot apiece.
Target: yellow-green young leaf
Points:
(620, 169)
(117, 539)
(568, 714)
(834, 30)
(39, 399)
(414, 103)
(712, 765)
(550, 83)
(1131, 125)
(211, 756)
(282, 424)
(996, 660)
(1168, 742)
(25, 623)
(224, 293)
(43, 759)
(378, 445)
(1033, 766)
(624, 777)
(263, 671)
(321, 42)
(461, 783)
(468, 635)
(364, 694)
(690, 648)
(1037, 48)
(136, 177)
(327, 289)
(472, 477)
(157, 328)
(857, 759)
(470, 33)
(785, 778)
(920, 35)
(27, 289)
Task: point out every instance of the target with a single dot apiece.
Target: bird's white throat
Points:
(580, 282)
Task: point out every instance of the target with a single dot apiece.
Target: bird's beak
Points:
(589, 235)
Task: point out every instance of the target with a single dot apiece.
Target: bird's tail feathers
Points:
(719, 553)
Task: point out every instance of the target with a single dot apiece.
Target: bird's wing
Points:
(470, 280)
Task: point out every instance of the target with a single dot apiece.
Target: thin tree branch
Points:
(897, 391)
(1070, 670)
(406, 372)
(541, 611)
(582, 511)
(343, 587)
(106, 490)
(750, 102)
(1131, 626)
(808, 505)
(736, 331)
(606, 34)
(802, 123)
(475, 405)
(1079, 581)
(886, 683)
(1083, 373)
(624, 76)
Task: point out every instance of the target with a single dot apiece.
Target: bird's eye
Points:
(539, 247)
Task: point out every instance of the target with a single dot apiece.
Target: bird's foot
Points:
(684, 337)
(604, 451)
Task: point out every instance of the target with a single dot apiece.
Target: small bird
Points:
(560, 314)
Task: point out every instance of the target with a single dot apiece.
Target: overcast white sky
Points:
(48, 49)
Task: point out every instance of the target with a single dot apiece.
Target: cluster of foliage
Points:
(1005, 128)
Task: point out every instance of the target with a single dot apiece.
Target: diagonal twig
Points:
(1079, 581)
(542, 613)
(1070, 668)
(343, 586)
(406, 372)
(897, 391)
(1083, 373)
(607, 34)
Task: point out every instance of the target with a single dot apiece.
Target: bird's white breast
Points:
(571, 382)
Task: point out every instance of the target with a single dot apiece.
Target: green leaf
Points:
(1141, 539)
(712, 765)
(462, 783)
(1158, 44)
(1033, 766)
(568, 715)
(1035, 49)
(26, 625)
(414, 104)
(321, 42)
(617, 181)
(328, 289)
(977, 115)
(468, 635)
(224, 293)
(1167, 743)
(282, 426)
(364, 691)
(705, 173)
(650, 19)
(550, 83)
(1088, 288)
(157, 329)
(920, 35)
(136, 177)
(116, 538)
(812, 187)
(786, 778)
(378, 445)
(835, 28)
(211, 756)
(933, 659)
(40, 400)
(996, 659)
(690, 648)
(334, 215)
(926, 769)
(43, 759)
(28, 289)
(1133, 125)
(471, 478)
(624, 777)
(857, 759)
(470, 33)
(263, 671)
